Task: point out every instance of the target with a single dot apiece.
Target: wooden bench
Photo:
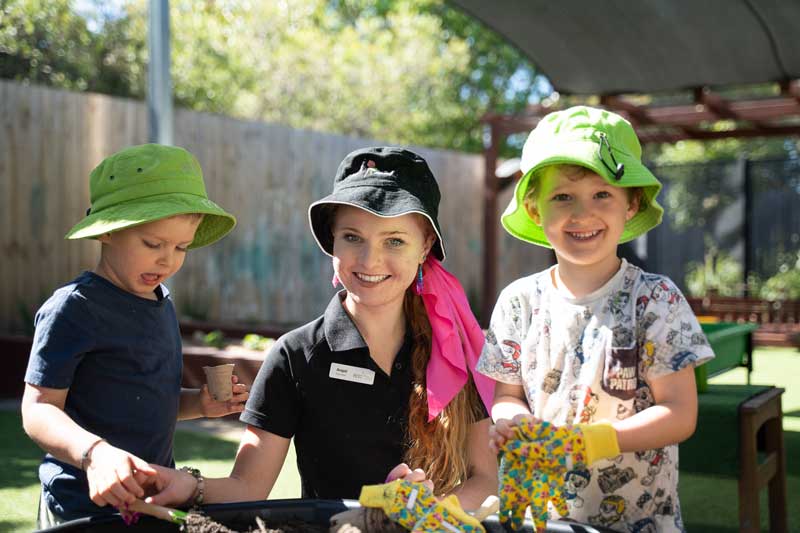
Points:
(752, 416)
(762, 413)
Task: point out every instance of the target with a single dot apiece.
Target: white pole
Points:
(159, 93)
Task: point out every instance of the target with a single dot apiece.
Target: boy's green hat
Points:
(149, 182)
(597, 139)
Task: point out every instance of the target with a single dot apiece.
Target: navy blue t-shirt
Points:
(120, 357)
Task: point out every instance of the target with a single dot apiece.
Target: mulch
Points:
(199, 523)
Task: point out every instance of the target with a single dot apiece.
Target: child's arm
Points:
(509, 401)
(198, 403)
(115, 476)
(258, 462)
(509, 407)
(671, 420)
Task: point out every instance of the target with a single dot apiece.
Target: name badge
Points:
(352, 373)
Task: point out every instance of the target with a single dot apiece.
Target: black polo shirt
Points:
(347, 431)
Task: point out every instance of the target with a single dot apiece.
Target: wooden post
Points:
(747, 228)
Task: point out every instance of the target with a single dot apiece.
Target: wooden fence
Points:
(268, 270)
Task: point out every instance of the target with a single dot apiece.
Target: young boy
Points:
(103, 384)
(593, 357)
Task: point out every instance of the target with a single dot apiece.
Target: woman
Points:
(381, 383)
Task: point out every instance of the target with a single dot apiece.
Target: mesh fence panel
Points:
(714, 233)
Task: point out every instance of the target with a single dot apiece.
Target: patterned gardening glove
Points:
(533, 466)
(515, 491)
(413, 506)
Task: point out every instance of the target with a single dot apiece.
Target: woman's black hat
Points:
(385, 181)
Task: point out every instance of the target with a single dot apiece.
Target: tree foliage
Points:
(47, 42)
(403, 71)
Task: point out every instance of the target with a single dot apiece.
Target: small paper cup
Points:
(219, 381)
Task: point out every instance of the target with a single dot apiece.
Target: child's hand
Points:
(403, 471)
(175, 487)
(212, 408)
(117, 477)
(503, 430)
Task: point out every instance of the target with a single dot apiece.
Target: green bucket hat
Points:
(597, 139)
(149, 182)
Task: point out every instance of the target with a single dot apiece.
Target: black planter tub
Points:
(241, 517)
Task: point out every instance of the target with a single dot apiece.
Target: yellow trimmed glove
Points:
(533, 466)
(447, 515)
(413, 506)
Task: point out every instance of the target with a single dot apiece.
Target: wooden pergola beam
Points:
(791, 89)
(637, 115)
(749, 110)
(707, 135)
(686, 118)
(714, 103)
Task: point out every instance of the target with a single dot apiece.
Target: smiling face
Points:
(376, 258)
(138, 259)
(582, 215)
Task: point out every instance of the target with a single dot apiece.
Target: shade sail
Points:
(647, 46)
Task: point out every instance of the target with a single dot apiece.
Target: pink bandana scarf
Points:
(457, 340)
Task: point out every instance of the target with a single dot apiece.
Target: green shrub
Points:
(719, 273)
(215, 339)
(782, 286)
(253, 341)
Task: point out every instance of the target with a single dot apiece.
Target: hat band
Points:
(150, 188)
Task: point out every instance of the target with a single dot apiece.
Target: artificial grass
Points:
(19, 481)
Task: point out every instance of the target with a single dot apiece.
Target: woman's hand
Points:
(117, 477)
(212, 408)
(403, 471)
(175, 487)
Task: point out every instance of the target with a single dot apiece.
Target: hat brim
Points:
(398, 203)
(216, 221)
(517, 221)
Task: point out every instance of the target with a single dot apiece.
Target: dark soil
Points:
(198, 523)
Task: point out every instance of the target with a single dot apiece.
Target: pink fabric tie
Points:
(457, 340)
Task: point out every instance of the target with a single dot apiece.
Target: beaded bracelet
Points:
(196, 500)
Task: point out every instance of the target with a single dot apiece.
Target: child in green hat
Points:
(593, 357)
(103, 384)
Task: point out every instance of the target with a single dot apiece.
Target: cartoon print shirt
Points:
(582, 360)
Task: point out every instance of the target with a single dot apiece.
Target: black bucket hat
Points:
(385, 181)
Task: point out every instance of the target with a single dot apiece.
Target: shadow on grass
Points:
(708, 528)
(193, 446)
(13, 525)
(19, 455)
(791, 444)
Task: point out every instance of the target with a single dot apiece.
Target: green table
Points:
(733, 347)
